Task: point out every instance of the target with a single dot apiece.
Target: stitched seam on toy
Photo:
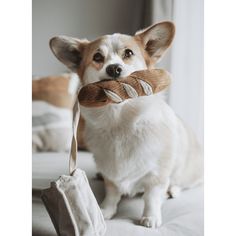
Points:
(131, 91)
(113, 96)
(147, 88)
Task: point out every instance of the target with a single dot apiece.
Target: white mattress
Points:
(181, 217)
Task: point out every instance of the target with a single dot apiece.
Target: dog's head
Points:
(114, 56)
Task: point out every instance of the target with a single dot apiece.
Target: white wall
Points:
(78, 18)
(185, 59)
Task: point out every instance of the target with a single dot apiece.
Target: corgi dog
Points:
(139, 145)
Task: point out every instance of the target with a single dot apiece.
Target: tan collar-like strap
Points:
(73, 151)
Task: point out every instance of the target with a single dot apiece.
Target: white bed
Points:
(181, 217)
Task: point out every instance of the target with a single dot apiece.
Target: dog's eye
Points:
(98, 57)
(128, 53)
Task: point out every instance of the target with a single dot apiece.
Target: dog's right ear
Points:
(157, 38)
(68, 50)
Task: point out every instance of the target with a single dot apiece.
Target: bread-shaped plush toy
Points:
(139, 83)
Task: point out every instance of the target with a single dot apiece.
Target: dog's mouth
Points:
(112, 78)
(109, 78)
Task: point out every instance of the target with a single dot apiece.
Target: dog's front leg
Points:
(112, 198)
(153, 199)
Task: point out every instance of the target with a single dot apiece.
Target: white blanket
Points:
(181, 217)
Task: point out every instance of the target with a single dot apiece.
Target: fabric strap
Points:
(73, 151)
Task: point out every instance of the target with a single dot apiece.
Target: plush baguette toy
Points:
(139, 83)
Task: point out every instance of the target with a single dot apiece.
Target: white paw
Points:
(174, 191)
(108, 212)
(150, 221)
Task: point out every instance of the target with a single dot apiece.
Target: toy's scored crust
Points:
(139, 83)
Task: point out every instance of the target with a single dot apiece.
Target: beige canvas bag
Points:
(70, 201)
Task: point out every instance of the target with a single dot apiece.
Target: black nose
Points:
(114, 70)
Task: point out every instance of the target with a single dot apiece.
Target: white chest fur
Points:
(127, 139)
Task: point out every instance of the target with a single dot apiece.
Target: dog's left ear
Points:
(68, 50)
(157, 38)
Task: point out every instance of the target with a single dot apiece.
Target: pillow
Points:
(53, 99)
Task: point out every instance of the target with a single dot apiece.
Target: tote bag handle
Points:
(74, 145)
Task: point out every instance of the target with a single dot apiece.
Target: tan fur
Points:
(88, 52)
(132, 42)
(150, 42)
(53, 89)
(150, 62)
